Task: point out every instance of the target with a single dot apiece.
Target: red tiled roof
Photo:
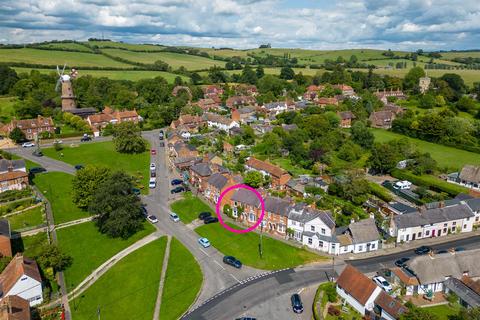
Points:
(406, 279)
(392, 306)
(11, 175)
(14, 308)
(356, 284)
(265, 166)
(18, 267)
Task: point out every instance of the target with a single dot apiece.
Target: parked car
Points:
(161, 135)
(401, 262)
(152, 167)
(204, 242)
(152, 183)
(79, 166)
(246, 318)
(85, 139)
(174, 217)
(175, 182)
(37, 170)
(423, 250)
(162, 144)
(209, 220)
(297, 304)
(28, 144)
(204, 215)
(153, 174)
(382, 283)
(232, 261)
(177, 190)
(152, 219)
(153, 152)
(37, 153)
(458, 249)
(144, 211)
(136, 191)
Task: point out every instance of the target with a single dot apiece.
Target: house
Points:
(388, 308)
(468, 177)
(207, 104)
(201, 172)
(220, 122)
(431, 223)
(296, 187)
(227, 147)
(22, 277)
(213, 159)
(14, 308)
(245, 205)
(217, 183)
(357, 290)
(424, 84)
(5, 237)
(474, 205)
(322, 102)
(190, 122)
(275, 220)
(212, 91)
(184, 164)
(13, 175)
(397, 208)
(466, 289)
(243, 115)
(109, 116)
(236, 102)
(31, 127)
(274, 108)
(382, 119)
(279, 177)
(385, 94)
(183, 150)
(312, 92)
(246, 89)
(395, 109)
(346, 118)
(346, 89)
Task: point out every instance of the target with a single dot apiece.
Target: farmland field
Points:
(66, 45)
(49, 57)
(128, 46)
(469, 76)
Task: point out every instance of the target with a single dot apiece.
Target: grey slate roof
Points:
(474, 204)
(273, 105)
(460, 211)
(245, 196)
(5, 228)
(301, 213)
(15, 164)
(277, 205)
(202, 169)
(364, 231)
(470, 173)
(463, 292)
(402, 208)
(217, 180)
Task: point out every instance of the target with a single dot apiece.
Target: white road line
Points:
(301, 290)
(204, 252)
(235, 278)
(219, 264)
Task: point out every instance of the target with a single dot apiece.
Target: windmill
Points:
(64, 81)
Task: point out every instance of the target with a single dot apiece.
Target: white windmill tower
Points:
(64, 81)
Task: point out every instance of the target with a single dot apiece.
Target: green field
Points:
(90, 248)
(445, 156)
(128, 290)
(57, 188)
(460, 54)
(132, 75)
(128, 46)
(6, 108)
(104, 154)
(49, 57)
(442, 311)
(183, 280)
(276, 254)
(189, 207)
(175, 60)
(27, 219)
(66, 45)
(286, 164)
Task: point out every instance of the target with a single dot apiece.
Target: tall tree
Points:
(127, 138)
(287, 73)
(361, 135)
(17, 135)
(86, 182)
(8, 77)
(412, 77)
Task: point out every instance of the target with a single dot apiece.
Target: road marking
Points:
(235, 278)
(301, 290)
(204, 252)
(219, 264)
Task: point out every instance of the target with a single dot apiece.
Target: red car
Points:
(153, 152)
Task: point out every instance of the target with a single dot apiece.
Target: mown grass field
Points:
(30, 246)
(27, 219)
(132, 75)
(89, 248)
(104, 153)
(189, 207)
(445, 156)
(442, 312)
(175, 60)
(50, 57)
(66, 45)
(245, 247)
(128, 290)
(183, 280)
(128, 46)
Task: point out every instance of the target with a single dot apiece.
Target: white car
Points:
(152, 219)
(402, 185)
(382, 283)
(28, 145)
(152, 166)
(152, 183)
(174, 217)
(204, 242)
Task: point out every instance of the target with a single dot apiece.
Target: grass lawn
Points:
(27, 219)
(31, 245)
(183, 280)
(286, 163)
(276, 254)
(442, 311)
(57, 187)
(128, 290)
(90, 248)
(103, 153)
(189, 207)
(445, 156)
(6, 108)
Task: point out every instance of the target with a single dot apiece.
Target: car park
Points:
(174, 217)
(232, 261)
(175, 182)
(28, 145)
(423, 250)
(152, 183)
(79, 166)
(401, 262)
(297, 304)
(177, 190)
(153, 152)
(382, 283)
(152, 167)
(152, 219)
(204, 215)
(37, 170)
(204, 242)
(209, 220)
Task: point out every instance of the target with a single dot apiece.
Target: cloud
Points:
(403, 24)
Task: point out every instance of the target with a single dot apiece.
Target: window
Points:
(372, 246)
(427, 233)
(252, 217)
(419, 235)
(323, 231)
(464, 226)
(310, 241)
(320, 244)
(454, 223)
(360, 248)
(444, 224)
(476, 219)
(312, 228)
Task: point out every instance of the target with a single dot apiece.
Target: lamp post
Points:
(260, 247)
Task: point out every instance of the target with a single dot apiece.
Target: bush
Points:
(380, 192)
(331, 292)
(333, 311)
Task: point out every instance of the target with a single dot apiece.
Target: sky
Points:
(308, 24)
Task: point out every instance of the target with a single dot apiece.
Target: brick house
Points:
(346, 118)
(217, 183)
(190, 122)
(31, 127)
(14, 308)
(279, 177)
(243, 115)
(200, 173)
(312, 92)
(236, 102)
(13, 175)
(382, 119)
(207, 104)
(322, 102)
(183, 150)
(109, 116)
(5, 237)
(346, 89)
(212, 91)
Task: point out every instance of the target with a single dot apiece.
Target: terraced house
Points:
(31, 127)
(279, 177)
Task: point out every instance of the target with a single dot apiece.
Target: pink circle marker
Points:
(219, 215)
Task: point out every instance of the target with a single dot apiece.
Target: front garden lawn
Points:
(30, 246)
(245, 247)
(104, 154)
(128, 290)
(27, 219)
(189, 207)
(183, 280)
(89, 248)
(57, 188)
(443, 311)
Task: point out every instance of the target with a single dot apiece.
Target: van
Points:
(402, 185)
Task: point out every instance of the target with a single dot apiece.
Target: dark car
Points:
(85, 139)
(177, 190)
(209, 220)
(136, 191)
(153, 174)
(161, 135)
(297, 304)
(162, 144)
(175, 182)
(37, 170)
(79, 166)
(423, 250)
(246, 318)
(441, 251)
(144, 211)
(37, 153)
(204, 215)
(401, 262)
(232, 261)
(458, 249)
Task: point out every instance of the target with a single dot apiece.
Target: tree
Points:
(384, 157)
(259, 72)
(86, 182)
(127, 138)
(8, 78)
(17, 135)
(361, 135)
(52, 257)
(287, 73)
(455, 82)
(117, 208)
(196, 78)
(416, 313)
(412, 77)
(466, 104)
(248, 75)
(253, 178)
(466, 314)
